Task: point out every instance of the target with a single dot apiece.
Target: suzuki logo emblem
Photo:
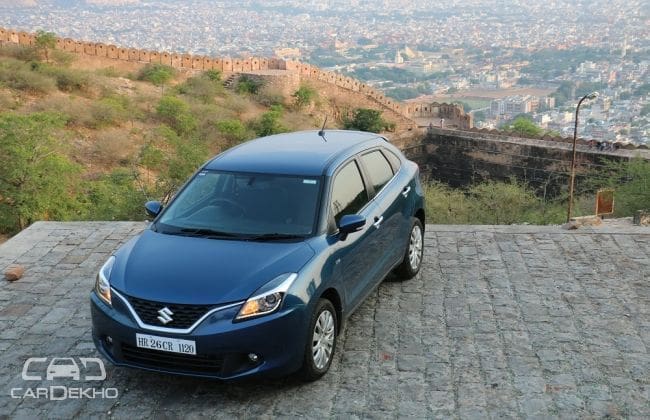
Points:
(165, 315)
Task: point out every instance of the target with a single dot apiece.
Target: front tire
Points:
(321, 341)
(412, 261)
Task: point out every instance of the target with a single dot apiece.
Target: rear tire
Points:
(321, 341)
(412, 261)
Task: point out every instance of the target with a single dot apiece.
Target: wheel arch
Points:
(420, 215)
(333, 296)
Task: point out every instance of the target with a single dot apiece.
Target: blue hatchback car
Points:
(260, 257)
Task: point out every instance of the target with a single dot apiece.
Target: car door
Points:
(390, 192)
(354, 256)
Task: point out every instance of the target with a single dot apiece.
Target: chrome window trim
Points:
(167, 329)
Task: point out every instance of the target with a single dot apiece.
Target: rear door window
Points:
(378, 169)
(348, 192)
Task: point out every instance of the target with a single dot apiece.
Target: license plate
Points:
(172, 345)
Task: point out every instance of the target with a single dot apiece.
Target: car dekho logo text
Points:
(63, 368)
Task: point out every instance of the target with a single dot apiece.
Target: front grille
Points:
(206, 364)
(183, 315)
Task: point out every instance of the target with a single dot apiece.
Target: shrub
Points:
(110, 72)
(270, 97)
(173, 159)
(37, 180)
(214, 75)
(112, 147)
(269, 122)
(19, 52)
(158, 74)
(365, 119)
(502, 202)
(491, 202)
(109, 110)
(304, 96)
(631, 184)
(76, 111)
(232, 130)
(44, 42)
(248, 85)
(67, 80)
(201, 87)
(61, 58)
(170, 107)
(176, 113)
(20, 76)
(523, 126)
(237, 104)
(115, 197)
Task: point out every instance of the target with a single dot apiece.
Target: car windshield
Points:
(244, 205)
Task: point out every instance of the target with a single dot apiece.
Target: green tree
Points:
(502, 202)
(173, 159)
(44, 42)
(269, 123)
(233, 130)
(214, 75)
(248, 85)
(202, 87)
(176, 113)
(37, 180)
(524, 127)
(115, 196)
(630, 181)
(158, 74)
(304, 96)
(365, 119)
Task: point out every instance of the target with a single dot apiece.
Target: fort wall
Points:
(453, 115)
(460, 158)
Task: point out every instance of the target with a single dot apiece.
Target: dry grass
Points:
(8, 100)
(114, 147)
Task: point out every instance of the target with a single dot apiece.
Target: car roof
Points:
(298, 153)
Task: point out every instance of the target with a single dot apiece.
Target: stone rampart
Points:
(453, 114)
(461, 158)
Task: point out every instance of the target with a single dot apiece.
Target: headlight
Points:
(268, 298)
(102, 286)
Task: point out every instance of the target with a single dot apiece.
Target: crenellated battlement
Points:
(418, 114)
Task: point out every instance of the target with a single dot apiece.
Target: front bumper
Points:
(222, 346)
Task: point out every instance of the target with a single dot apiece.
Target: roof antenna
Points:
(322, 130)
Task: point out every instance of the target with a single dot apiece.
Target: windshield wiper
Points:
(208, 233)
(274, 236)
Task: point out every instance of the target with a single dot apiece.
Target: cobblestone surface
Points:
(518, 321)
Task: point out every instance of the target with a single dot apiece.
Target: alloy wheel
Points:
(415, 247)
(323, 339)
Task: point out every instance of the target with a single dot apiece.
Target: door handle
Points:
(406, 192)
(378, 222)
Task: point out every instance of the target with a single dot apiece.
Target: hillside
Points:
(93, 139)
(87, 137)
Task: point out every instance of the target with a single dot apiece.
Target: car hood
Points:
(193, 270)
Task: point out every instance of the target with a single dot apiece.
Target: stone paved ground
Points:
(501, 322)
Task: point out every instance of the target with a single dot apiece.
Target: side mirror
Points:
(350, 223)
(153, 208)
